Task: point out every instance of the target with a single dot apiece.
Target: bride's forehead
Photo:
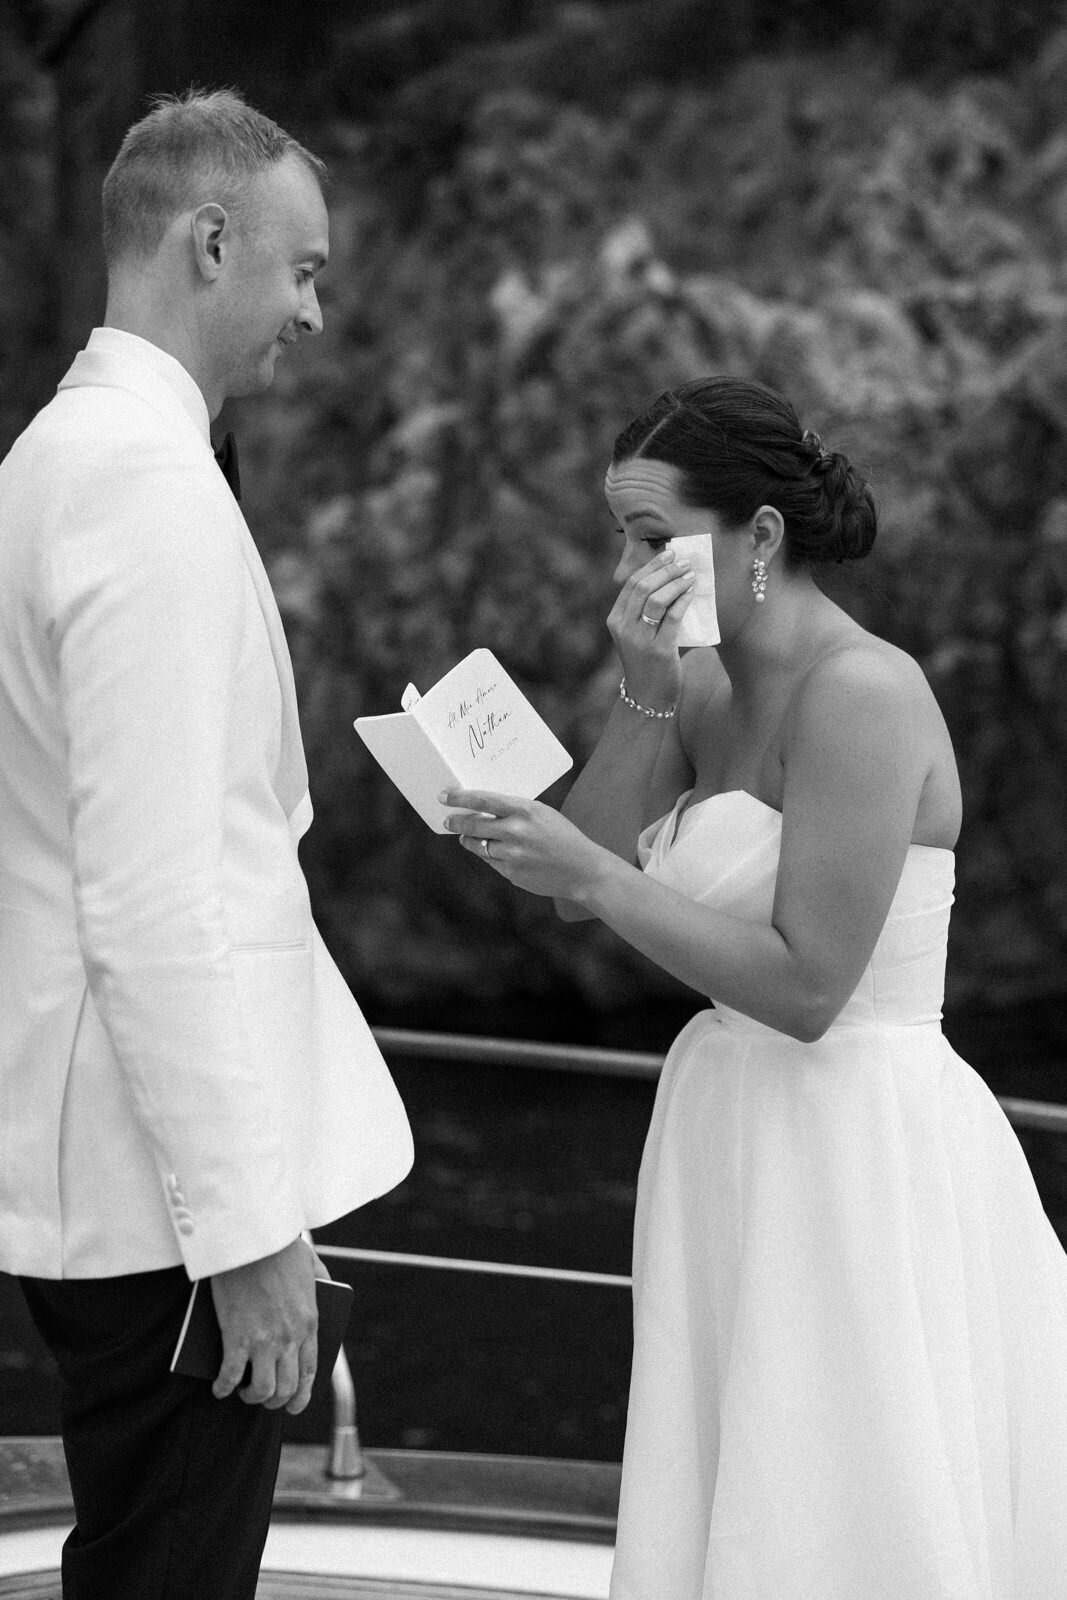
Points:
(639, 478)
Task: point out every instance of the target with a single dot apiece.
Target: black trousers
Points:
(172, 1488)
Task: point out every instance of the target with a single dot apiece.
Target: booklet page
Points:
(477, 726)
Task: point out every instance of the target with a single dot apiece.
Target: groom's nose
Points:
(310, 317)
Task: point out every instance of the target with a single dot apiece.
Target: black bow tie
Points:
(226, 456)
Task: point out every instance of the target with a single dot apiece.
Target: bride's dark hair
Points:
(739, 445)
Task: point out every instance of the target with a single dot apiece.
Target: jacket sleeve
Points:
(148, 612)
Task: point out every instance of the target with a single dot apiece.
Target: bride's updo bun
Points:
(739, 445)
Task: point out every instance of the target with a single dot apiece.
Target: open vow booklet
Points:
(475, 729)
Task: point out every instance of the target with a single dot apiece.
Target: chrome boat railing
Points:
(474, 1049)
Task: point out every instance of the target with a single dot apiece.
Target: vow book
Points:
(198, 1353)
(475, 729)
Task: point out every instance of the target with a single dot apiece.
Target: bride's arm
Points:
(636, 772)
(856, 763)
(638, 767)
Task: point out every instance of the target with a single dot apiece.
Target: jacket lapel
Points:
(291, 778)
(187, 415)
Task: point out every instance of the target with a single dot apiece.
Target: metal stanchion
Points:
(346, 1453)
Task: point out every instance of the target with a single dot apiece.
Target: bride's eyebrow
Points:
(652, 516)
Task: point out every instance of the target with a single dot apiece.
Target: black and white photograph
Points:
(533, 800)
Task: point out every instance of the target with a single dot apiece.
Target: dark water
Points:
(533, 1167)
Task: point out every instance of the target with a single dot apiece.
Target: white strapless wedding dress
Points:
(850, 1363)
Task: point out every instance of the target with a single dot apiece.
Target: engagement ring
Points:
(485, 847)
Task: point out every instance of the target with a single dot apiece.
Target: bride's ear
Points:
(768, 533)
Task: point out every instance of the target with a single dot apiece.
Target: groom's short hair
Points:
(190, 149)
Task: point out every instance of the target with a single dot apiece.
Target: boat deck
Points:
(418, 1525)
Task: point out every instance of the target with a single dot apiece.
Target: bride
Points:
(850, 1350)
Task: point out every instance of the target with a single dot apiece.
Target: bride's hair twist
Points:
(739, 445)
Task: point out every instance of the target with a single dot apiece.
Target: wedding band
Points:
(485, 847)
(653, 622)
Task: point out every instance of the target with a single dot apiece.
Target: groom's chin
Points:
(259, 374)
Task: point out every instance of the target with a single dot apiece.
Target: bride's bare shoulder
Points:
(864, 680)
(859, 661)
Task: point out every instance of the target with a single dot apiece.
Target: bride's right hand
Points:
(644, 624)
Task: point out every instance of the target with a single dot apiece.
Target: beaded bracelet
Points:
(646, 711)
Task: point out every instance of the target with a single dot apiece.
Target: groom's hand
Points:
(267, 1314)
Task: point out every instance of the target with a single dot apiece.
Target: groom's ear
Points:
(211, 229)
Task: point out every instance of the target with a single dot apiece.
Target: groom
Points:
(185, 1081)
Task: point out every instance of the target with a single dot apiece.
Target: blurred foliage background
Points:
(543, 213)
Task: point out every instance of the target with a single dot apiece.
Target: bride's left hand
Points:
(528, 843)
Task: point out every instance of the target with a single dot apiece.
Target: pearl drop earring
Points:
(759, 578)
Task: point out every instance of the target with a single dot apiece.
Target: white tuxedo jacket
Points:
(184, 1076)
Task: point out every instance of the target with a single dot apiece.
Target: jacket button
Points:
(185, 1225)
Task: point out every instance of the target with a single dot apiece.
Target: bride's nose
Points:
(623, 570)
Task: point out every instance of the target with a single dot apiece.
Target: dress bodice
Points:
(723, 852)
